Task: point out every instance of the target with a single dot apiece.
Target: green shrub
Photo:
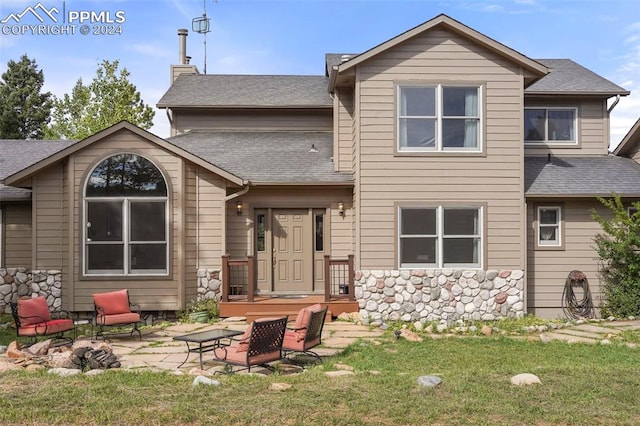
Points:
(618, 250)
(200, 305)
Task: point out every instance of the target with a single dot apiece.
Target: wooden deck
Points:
(286, 305)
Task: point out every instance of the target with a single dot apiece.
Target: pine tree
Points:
(24, 110)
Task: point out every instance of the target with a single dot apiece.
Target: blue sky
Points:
(292, 36)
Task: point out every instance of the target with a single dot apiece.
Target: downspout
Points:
(170, 118)
(237, 194)
(613, 105)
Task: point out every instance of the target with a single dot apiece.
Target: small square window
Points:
(549, 226)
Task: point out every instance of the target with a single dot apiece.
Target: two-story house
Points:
(439, 175)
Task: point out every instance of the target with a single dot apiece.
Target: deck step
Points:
(291, 315)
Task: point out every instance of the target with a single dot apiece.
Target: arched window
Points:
(126, 218)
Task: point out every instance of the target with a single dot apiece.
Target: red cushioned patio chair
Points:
(113, 309)
(258, 346)
(33, 319)
(307, 332)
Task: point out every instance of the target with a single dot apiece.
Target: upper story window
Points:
(438, 118)
(126, 218)
(550, 126)
(440, 237)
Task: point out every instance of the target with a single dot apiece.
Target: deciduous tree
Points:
(108, 99)
(618, 248)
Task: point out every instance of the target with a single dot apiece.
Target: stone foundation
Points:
(439, 295)
(24, 282)
(209, 284)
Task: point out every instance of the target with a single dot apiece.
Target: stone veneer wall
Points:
(209, 284)
(439, 295)
(19, 282)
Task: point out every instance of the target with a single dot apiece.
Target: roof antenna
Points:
(200, 25)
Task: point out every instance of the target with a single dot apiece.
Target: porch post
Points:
(327, 278)
(251, 279)
(225, 278)
(352, 277)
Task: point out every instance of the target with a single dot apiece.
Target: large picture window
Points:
(126, 218)
(438, 118)
(550, 125)
(439, 237)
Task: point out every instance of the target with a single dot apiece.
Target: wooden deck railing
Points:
(238, 278)
(339, 278)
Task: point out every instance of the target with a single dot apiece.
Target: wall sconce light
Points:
(341, 208)
(239, 208)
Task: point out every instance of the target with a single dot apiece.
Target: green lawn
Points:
(581, 384)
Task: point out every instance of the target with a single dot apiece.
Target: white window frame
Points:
(126, 242)
(546, 140)
(558, 242)
(440, 237)
(439, 117)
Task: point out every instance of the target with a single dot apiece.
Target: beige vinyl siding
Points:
(17, 235)
(277, 119)
(355, 147)
(151, 293)
(48, 213)
(592, 129)
(240, 228)
(493, 179)
(204, 224)
(191, 231)
(548, 269)
(343, 135)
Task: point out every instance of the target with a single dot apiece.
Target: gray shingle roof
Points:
(333, 59)
(267, 157)
(258, 91)
(567, 76)
(9, 193)
(581, 176)
(16, 155)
